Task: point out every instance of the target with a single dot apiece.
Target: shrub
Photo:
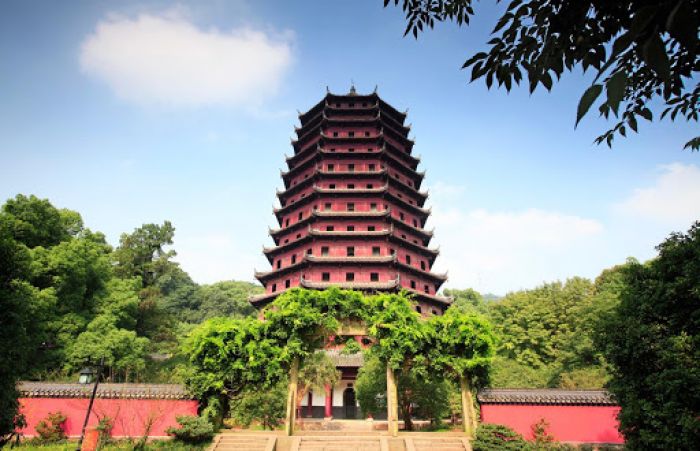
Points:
(266, 407)
(50, 429)
(496, 437)
(104, 428)
(192, 429)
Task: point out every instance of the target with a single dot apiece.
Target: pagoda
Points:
(351, 213)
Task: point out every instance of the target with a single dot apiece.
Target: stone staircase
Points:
(437, 444)
(339, 443)
(242, 442)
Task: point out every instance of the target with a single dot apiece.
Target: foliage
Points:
(122, 445)
(50, 429)
(142, 253)
(266, 407)
(192, 429)
(495, 437)
(317, 372)
(463, 345)
(540, 432)
(641, 52)
(227, 298)
(466, 301)
(370, 386)
(652, 341)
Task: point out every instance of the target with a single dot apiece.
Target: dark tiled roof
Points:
(545, 396)
(345, 360)
(113, 391)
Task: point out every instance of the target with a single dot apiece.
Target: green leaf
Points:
(615, 88)
(587, 100)
(693, 144)
(646, 114)
(682, 24)
(642, 19)
(655, 56)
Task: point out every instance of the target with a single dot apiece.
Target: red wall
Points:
(574, 424)
(130, 415)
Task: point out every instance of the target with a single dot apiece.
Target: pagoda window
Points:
(286, 222)
(403, 236)
(333, 149)
(335, 134)
(279, 263)
(367, 134)
(373, 206)
(331, 186)
(351, 105)
(327, 206)
(434, 312)
(287, 283)
(294, 259)
(286, 240)
(418, 309)
(408, 261)
(370, 186)
(351, 134)
(298, 235)
(306, 176)
(337, 105)
(350, 251)
(364, 104)
(326, 276)
(351, 167)
(274, 287)
(308, 251)
(351, 228)
(426, 288)
(351, 150)
(413, 284)
(331, 167)
(400, 196)
(351, 186)
(401, 216)
(370, 149)
(351, 206)
(301, 215)
(386, 207)
(410, 183)
(393, 252)
(324, 251)
(370, 228)
(422, 266)
(374, 277)
(415, 241)
(330, 228)
(349, 276)
(376, 250)
(415, 223)
(372, 166)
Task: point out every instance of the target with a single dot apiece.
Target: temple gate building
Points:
(352, 215)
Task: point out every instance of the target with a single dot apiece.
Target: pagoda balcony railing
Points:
(409, 160)
(388, 285)
(384, 191)
(329, 214)
(354, 259)
(384, 120)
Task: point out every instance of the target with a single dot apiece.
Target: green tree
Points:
(142, 253)
(466, 301)
(15, 296)
(643, 52)
(35, 222)
(317, 372)
(226, 298)
(464, 346)
(652, 341)
(264, 406)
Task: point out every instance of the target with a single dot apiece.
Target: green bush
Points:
(50, 429)
(266, 407)
(496, 437)
(192, 429)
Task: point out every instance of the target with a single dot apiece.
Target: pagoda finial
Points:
(328, 91)
(375, 89)
(353, 91)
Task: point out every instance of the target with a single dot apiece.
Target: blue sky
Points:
(134, 112)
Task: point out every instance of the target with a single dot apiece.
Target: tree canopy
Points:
(644, 53)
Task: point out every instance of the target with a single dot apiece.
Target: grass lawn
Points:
(163, 445)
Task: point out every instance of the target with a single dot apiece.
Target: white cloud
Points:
(509, 250)
(673, 198)
(164, 59)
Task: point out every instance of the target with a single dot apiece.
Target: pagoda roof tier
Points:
(382, 153)
(393, 285)
(299, 148)
(316, 125)
(272, 252)
(309, 260)
(329, 99)
(426, 235)
(382, 174)
(407, 159)
(381, 193)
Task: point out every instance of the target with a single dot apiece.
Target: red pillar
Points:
(329, 401)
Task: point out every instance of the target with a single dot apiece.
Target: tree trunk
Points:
(406, 415)
(392, 402)
(468, 414)
(292, 397)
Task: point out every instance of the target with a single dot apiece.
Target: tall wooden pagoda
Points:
(352, 213)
